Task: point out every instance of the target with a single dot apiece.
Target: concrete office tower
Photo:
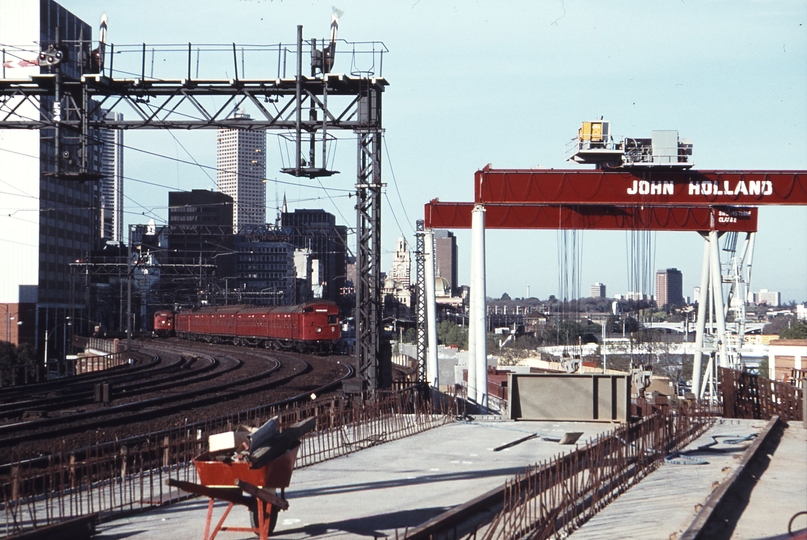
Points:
(597, 290)
(200, 225)
(669, 288)
(47, 222)
(241, 163)
(401, 264)
(316, 230)
(112, 182)
(265, 272)
(445, 258)
(771, 298)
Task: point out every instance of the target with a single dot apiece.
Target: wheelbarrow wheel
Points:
(270, 515)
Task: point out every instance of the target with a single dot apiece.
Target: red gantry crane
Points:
(637, 184)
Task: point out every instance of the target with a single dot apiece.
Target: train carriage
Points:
(163, 323)
(313, 326)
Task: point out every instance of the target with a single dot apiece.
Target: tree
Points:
(778, 324)
(505, 296)
(13, 359)
(8, 355)
(411, 335)
(764, 367)
(572, 333)
(449, 333)
(616, 325)
(795, 331)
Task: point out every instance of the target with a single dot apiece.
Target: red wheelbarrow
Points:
(237, 483)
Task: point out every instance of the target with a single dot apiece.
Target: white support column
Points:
(472, 339)
(432, 369)
(747, 259)
(709, 380)
(700, 328)
(717, 291)
(478, 292)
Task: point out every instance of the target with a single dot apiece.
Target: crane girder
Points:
(640, 186)
(457, 215)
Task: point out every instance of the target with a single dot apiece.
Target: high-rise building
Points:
(265, 271)
(200, 225)
(597, 290)
(770, 298)
(401, 264)
(241, 164)
(200, 211)
(112, 181)
(445, 258)
(669, 288)
(49, 220)
(317, 231)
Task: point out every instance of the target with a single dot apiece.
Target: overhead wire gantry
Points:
(69, 88)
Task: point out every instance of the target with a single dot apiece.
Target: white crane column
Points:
(747, 258)
(700, 329)
(478, 293)
(717, 292)
(432, 371)
(471, 386)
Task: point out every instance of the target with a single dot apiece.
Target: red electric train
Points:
(163, 323)
(309, 327)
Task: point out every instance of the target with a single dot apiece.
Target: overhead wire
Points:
(146, 211)
(395, 183)
(193, 161)
(392, 210)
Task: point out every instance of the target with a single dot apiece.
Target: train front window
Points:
(332, 319)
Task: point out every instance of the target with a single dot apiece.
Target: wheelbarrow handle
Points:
(264, 495)
(225, 494)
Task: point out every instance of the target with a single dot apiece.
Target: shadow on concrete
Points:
(724, 518)
(797, 535)
(422, 480)
(369, 526)
(123, 535)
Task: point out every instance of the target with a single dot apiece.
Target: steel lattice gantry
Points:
(309, 108)
(368, 260)
(420, 304)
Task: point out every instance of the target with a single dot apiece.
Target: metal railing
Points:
(111, 478)
(745, 395)
(555, 497)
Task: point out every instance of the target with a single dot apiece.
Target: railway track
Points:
(181, 372)
(262, 378)
(16, 394)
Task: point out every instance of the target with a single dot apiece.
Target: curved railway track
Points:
(261, 378)
(182, 372)
(12, 394)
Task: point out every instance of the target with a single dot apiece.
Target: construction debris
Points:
(256, 446)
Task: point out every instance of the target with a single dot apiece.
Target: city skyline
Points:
(728, 88)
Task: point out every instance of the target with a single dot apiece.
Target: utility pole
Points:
(130, 269)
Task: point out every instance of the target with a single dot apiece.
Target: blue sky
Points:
(508, 83)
